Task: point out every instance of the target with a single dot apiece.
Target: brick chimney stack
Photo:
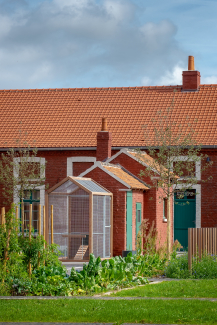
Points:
(190, 78)
(104, 142)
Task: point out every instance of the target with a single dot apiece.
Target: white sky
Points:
(105, 43)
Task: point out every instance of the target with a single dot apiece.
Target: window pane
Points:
(26, 219)
(138, 215)
(27, 195)
(184, 169)
(35, 206)
(180, 195)
(36, 195)
(26, 207)
(30, 169)
(30, 198)
(35, 215)
(165, 208)
(191, 194)
(35, 224)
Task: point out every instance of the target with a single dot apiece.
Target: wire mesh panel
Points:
(79, 225)
(60, 224)
(101, 226)
(107, 225)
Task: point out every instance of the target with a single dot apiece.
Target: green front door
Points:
(129, 220)
(184, 216)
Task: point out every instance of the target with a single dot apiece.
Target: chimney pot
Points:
(104, 124)
(191, 63)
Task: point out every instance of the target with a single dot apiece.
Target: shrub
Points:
(117, 272)
(178, 268)
(206, 268)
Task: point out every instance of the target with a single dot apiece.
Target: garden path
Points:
(77, 265)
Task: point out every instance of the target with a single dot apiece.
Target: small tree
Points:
(173, 155)
(19, 171)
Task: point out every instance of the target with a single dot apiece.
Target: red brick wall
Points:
(153, 210)
(80, 167)
(131, 165)
(209, 192)
(119, 207)
(161, 225)
(56, 170)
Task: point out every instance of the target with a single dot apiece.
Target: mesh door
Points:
(101, 226)
(79, 225)
(60, 222)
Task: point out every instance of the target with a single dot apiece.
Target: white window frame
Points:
(197, 165)
(71, 160)
(41, 188)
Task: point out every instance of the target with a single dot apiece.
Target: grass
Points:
(175, 289)
(89, 310)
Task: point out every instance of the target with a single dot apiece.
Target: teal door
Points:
(184, 216)
(138, 217)
(129, 220)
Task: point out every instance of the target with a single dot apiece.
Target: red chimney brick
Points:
(190, 80)
(104, 145)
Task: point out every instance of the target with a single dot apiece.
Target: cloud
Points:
(83, 43)
(209, 80)
(173, 77)
(146, 81)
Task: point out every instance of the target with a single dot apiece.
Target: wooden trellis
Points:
(22, 229)
(201, 241)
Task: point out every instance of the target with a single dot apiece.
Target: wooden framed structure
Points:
(201, 241)
(82, 218)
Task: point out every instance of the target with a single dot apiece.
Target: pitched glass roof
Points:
(69, 186)
(66, 187)
(91, 186)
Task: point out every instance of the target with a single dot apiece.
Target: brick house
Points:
(66, 124)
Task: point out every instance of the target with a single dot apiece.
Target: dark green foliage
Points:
(49, 277)
(206, 268)
(16, 251)
(115, 273)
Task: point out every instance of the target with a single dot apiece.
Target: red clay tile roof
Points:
(147, 160)
(133, 182)
(72, 117)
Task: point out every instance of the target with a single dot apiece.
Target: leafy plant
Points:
(206, 268)
(114, 273)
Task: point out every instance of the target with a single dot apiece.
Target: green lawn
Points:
(178, 289)
(87, 310)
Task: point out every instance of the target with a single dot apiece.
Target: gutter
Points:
(94, 148)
